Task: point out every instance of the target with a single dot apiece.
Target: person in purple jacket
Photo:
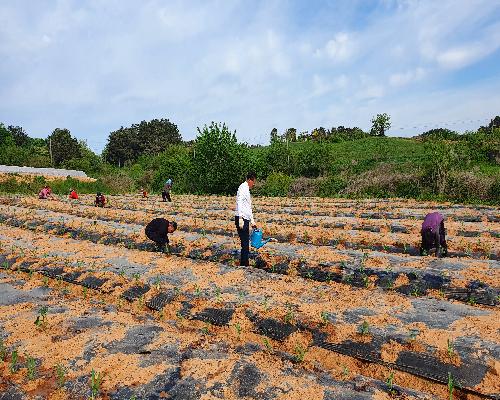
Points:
(434, 235)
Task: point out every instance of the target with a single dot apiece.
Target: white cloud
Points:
(404, 78)
(339, 49)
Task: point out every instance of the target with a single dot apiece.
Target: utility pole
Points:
(50, 151)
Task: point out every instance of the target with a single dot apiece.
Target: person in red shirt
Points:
(144, 193)
(73, 194)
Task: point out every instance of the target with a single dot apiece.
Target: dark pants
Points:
(244, 234)
(436, 238)
(166, 196)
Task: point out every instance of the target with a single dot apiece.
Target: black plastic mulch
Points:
(92, 282)
(159, 301)
(215, 316)
(135, 292)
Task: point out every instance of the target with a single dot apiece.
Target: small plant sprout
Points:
(3, 350)
(345, 371)
(95, 384)
(390, 383)
(289, 316)
(300, 353)
(136, 276)
(84, 292)
(30, 367)
(267, 344)
(41, 317)
(60, 375)
(179, 315)
(241, 297)
(157, 283)
(450, 348)
(364, 328)
(324, 317)
(121, 273)
(218, 294)
(45, 281)
(451, 386)
(197, 291)
(206, 329)
(413, 334)
(13, 361)
(237, 326)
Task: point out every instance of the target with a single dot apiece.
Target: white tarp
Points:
(11, 169)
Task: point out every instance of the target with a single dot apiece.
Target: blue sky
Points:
(93, 66)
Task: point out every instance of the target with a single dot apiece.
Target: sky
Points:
(94, 66)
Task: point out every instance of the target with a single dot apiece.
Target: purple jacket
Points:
(432, 221)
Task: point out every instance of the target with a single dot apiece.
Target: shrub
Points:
(467, 186)
(276, 184)
(118, 183)
(304, 187)
(331, 186)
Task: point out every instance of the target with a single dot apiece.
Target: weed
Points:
(95, 383)
(60, 375)
(364, 328)
(13, 361)
(300, 353)
(451, 386)
(267, 344)
(31, 367)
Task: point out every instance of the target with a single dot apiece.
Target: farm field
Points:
(339, 307)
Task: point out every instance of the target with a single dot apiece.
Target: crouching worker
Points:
(73, 195)
(45, 193)
(434, 235)
(157, 231)
(100, 200)
(244, 217)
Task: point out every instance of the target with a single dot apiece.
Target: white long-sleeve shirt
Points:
(244, 203)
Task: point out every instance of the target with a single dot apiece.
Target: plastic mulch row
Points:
(52, 272)
(92, 282)
(159, 301)
(420, 364)
(274, 329)
(135, 292)
(215, 316)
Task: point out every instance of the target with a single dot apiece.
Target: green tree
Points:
(62, 146)
(156, 135)
(20, 137)
(122, 147)
(274, 136)
(219, 161)
(380, 124)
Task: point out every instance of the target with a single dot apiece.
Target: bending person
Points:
(157, 231)
(434, 235)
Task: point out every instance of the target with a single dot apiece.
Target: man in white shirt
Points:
(244, 217)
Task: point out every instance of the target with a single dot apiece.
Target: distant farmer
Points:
(433, 235)
(157, 231)
(144, 193)
(45, 193)
(165, 194)
(100, 200)
(244, 217)
(73, 195)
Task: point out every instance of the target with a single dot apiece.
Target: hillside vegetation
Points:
(340, 162)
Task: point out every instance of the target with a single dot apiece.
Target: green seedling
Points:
(347, 278)
(415, 291)
(471, 300)
(218, 294)
(95, 383)
(177, 291)
(157, 282)
(206, 329)
(390, 384)
(41, 317)
(324, 317)
(268, 345)
(179, 315)
(306, 237)
(84, 291)
(31, 367)
(140, 301)
(30, 273)
(451, 386)
(136, 276)
(121, 273)
(450, 348)
(60, 375)
(13, 361)
(300, 353)
(413, 334)
(197, 291)
(5, 265)
(289, 317)
(364, 328)
(3, 350)
(366, 280)
(45, 281)
(241, 298)
(345, 371)
(237, 326)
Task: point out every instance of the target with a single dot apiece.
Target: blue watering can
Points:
(256, 239)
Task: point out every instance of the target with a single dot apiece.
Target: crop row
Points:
(358, 338)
